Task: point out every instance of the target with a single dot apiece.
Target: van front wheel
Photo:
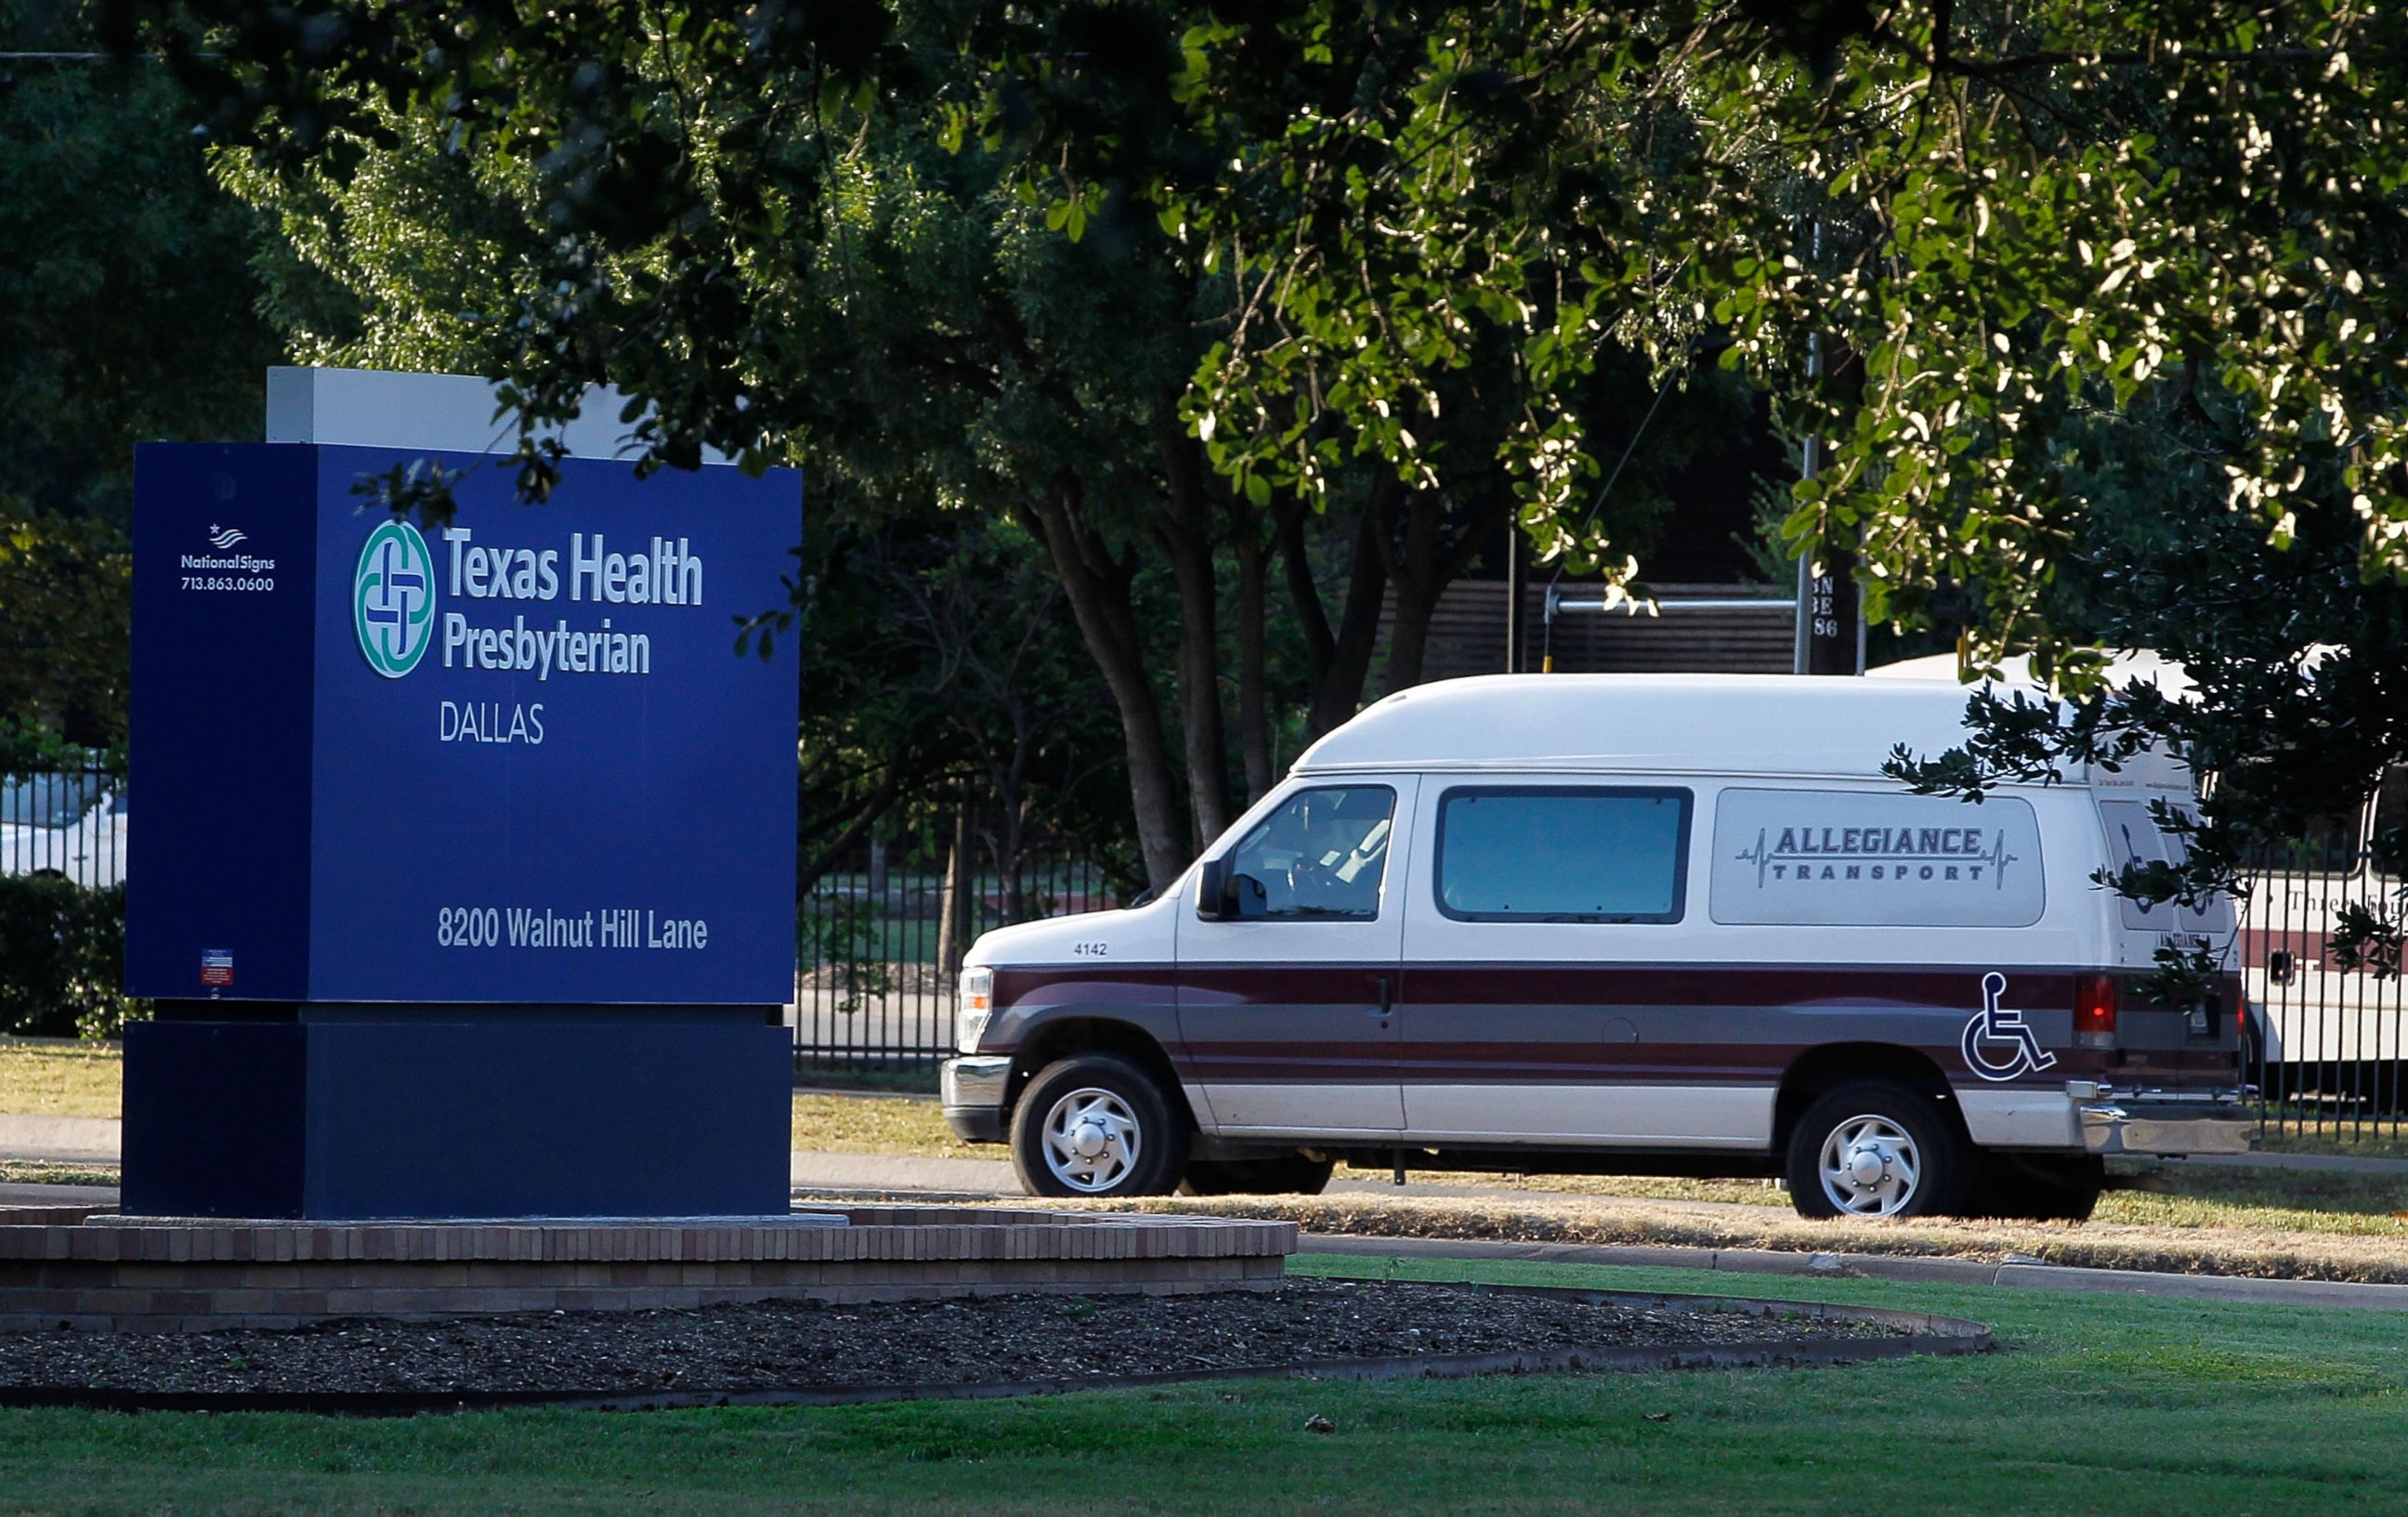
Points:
(1877, 1148)
(1097, 1124)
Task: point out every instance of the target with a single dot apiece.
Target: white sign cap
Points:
(439, 412)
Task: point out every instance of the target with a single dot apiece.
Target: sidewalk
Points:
(60, 1139)
(900, 1172)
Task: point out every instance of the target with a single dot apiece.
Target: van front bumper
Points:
(2162, 1122)
(973, 1090)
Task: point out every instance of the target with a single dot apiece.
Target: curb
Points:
(2015, 1273)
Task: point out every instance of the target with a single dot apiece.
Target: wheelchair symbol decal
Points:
(1996, 1025)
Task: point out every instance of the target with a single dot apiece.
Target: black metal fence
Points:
(2328, 1048)
(64, 824)
(880, 943)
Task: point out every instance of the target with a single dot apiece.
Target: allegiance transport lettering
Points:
(668, 574)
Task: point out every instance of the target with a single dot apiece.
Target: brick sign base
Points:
(109, 1273)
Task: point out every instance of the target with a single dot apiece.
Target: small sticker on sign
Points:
(217, 966)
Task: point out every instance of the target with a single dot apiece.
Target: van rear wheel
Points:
(1877, 1148)
(1097, 1124)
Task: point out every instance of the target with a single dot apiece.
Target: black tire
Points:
(1925, 1164)
(2039, 1187)
(1289, 1174)
(1139, 1135)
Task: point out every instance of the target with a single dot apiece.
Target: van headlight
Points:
(978, 1005)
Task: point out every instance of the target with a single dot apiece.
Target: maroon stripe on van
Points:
(1099, 985)
(1522, 1023)
(1286, 985)
(1936, 987)
(1522, 984)
(1525, 1063)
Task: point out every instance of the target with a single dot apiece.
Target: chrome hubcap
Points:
(1090, 1139)
(1871, 1166)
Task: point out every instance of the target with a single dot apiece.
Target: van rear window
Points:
(1870, 859)
(1562, 853)
(2133, 837)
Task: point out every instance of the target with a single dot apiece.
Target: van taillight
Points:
(2094, 1010)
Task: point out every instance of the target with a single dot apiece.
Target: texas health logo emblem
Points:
(392, 599)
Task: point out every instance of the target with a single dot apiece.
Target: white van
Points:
(2326, 1036)
(70, 826)
(1623, 925)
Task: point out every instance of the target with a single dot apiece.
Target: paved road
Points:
(59, 1139)
(57, 1196)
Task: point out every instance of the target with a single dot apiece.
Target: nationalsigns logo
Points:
(392, 599)
(223, 538)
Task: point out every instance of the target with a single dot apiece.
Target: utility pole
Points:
(1512, 597)
(1830, 637)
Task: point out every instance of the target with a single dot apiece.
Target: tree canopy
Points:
(126, 310)
(2092, 305)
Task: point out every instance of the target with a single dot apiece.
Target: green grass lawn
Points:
(2384, 1139)
(42, 1078)
(2111, 1404)
(69, 1079)
(879, 1124)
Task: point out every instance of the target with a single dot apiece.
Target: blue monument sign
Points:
(465, 882)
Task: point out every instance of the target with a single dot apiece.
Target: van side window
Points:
(1562, 853)
(1320, 857)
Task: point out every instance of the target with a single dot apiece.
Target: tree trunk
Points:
(1011, 826)
(1427, 560)
(1338, 693)
(952, 907)
(1253, 698)
(810, 868)
(1187, 535)
(1320, 644)
(1096, 584)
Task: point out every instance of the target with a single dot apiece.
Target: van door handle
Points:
(1386, 997)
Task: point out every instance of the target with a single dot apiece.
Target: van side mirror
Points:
(1213, 898)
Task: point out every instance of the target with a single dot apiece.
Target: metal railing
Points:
(879, 949)
(880, 944)
(64, 824)
(2327, 1048)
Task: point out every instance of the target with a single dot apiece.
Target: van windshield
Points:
(1320, 855)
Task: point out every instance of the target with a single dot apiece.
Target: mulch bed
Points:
(794, 1345)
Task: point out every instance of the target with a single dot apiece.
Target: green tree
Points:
(907, 326)
(125, 309)
(2107, 298)
(1996, 222)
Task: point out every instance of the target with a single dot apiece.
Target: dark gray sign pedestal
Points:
(465, 877)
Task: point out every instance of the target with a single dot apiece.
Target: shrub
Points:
(61, 959)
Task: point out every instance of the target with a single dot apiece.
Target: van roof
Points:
(1716, 723)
